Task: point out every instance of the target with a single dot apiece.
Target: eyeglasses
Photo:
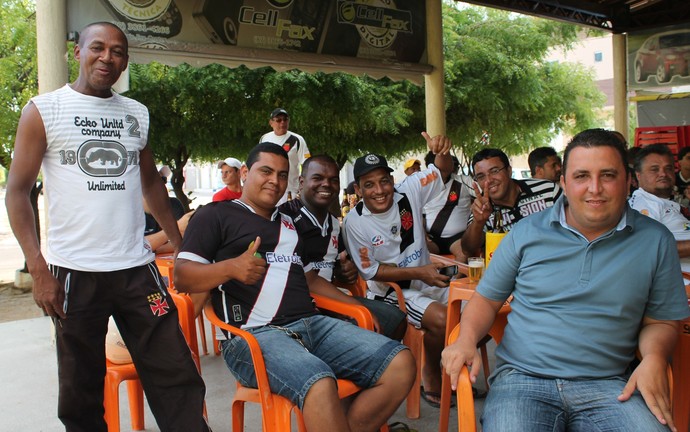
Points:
(280, 119)
(493, 172)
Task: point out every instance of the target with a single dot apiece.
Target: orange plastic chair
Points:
(115, 374)
(414, 340)
(452, 320)
(275, 409)
(166, 267)
(467, 421)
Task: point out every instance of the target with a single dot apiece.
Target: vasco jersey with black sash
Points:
(447, 213)
(396, 237)
(320, 241)
(535, 195)
(225, 229)
(92, 180)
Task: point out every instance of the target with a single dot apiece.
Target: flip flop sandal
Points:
(427, 396)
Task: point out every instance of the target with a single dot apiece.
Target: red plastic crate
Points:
(676, 137)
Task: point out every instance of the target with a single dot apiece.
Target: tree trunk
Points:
(177, 183)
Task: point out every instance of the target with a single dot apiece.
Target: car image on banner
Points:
(663, 55)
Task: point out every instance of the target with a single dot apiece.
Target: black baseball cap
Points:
(369, 163)
(279, 111)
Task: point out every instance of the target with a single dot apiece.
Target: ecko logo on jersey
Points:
(334, 241)
(377, 240)
(102, 158)
(274, 258)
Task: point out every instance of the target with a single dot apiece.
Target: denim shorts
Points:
(519, 402)
(300, 353)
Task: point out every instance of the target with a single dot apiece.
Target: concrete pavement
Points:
(28, 401)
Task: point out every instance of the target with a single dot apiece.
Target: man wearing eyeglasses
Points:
(497, 193)
(294, 144)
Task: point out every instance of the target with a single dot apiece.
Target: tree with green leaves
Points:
(18, 80)
(500, 88)
(498, 85)
(213, 112)
(18, 69)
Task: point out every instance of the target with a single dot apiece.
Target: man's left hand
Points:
(651, 379)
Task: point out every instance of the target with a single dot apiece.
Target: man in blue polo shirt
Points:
(593, 281)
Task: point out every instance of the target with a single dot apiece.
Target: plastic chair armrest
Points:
(399, 295)
(358, 312)
(254, 349)
(465, 401)
(359, 288)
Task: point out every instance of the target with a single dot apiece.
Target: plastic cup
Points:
(476, 267)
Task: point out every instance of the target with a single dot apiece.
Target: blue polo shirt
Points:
(578, 305)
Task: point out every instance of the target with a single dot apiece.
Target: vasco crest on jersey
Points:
(406, 219)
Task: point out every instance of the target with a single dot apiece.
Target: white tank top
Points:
(92, 183)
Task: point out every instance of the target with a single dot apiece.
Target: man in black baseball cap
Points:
(279, 111)
(386, 239)
(369, 163)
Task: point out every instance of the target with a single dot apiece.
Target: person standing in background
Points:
(294, 144)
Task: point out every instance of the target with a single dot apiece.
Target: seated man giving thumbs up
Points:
(250, 258)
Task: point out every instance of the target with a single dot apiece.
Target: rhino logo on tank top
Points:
(102, 158)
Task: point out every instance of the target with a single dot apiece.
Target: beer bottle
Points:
(289, 197)
(345, 204)
(499, 226)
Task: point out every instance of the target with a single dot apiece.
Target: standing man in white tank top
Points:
(92, 145)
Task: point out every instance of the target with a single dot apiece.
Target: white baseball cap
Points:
(231, 162)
